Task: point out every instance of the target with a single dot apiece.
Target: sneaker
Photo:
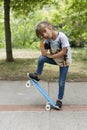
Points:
(58, 104)
(33, 76)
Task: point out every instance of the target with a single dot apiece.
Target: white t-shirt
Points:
(61, 42)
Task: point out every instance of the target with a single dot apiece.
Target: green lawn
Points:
(17, 70)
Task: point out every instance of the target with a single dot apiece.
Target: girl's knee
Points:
(41, 58)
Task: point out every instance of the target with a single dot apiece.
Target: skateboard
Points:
(50, 104)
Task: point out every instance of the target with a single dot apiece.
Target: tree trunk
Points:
(9, 56)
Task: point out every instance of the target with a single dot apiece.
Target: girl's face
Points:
(46, 32)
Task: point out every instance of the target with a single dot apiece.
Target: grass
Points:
(17, 70)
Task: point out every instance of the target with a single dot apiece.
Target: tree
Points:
(22, 7)
(77, 13)
(9, 56)
(71, 17)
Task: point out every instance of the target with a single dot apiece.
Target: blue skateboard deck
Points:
(44, 93)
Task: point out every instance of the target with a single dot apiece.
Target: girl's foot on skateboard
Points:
(58, 104)
(33, 76)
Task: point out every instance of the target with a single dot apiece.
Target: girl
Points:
(55, 49)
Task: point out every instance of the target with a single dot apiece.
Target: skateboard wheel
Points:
(48, 107)
(28, 84)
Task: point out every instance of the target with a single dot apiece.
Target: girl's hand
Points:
(49, 56)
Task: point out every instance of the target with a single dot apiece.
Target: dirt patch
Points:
(20, 53)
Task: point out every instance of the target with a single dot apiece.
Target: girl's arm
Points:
(43, 50)
(59, 54)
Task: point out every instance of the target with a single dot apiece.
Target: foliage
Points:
(25, 6)
(61, 12)
(77, 13)
(1, 27)
(68, 16)
(23, 29)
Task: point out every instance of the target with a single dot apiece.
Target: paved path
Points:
(22, 108)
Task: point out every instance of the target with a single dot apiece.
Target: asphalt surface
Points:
(23, 108)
